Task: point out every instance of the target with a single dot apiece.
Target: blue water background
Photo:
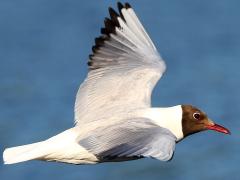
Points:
(44, 46)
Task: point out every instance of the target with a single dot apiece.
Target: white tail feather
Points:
(23, 153)
(62, 147)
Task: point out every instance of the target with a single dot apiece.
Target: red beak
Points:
(218, 128)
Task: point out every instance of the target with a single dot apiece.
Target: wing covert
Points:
(130, 138)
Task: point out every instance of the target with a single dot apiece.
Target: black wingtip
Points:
(113, 13)
(95, 49)
(104, 31)
(120, 6)
(109, 26)
(90, 56)
(99, 41)
(128, 6)
(114, 16)
(89, 63)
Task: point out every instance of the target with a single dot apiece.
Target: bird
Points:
(114, 118)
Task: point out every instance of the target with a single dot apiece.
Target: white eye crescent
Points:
(196, 115)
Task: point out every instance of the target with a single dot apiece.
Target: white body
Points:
(64, 147)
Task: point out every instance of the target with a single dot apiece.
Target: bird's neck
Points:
(169, 118)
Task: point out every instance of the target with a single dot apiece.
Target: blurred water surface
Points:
(44, 47)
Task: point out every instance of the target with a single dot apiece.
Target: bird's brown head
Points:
(194, 120)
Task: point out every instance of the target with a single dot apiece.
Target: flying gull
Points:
(114, 119)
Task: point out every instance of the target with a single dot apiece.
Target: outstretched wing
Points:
(129, 139)
(123, 69)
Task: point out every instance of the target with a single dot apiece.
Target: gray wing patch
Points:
(130, 139)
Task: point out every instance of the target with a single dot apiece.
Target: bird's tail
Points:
(63, 148)
(24, 153)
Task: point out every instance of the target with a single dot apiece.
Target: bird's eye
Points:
(196, 116)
